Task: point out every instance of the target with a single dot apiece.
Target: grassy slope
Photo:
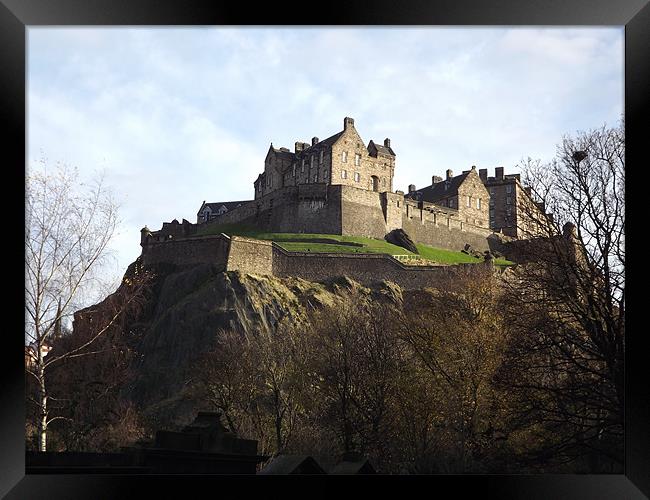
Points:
(311, 243)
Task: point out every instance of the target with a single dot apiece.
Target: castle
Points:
(341, 186)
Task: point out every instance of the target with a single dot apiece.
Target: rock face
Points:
(190, 306)
(400, 238)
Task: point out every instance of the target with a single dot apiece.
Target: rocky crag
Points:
(187, 307)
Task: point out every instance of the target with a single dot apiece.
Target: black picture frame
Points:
(17, 15)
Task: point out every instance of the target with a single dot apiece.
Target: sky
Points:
(174, 116)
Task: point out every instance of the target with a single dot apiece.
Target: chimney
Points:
(450, 174)
(348, 122)
(314, 141)
(498, 172)
(435, 179)
(299, 146)
(482, 173)
(411, 188)
(387, 142)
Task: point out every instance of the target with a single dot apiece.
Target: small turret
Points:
(145, 234)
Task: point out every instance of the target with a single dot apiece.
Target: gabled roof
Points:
(292, 464)
(437, 191)
(357, 467)
(217, 205)
(288, 155)
(283, 153)
(381, 148)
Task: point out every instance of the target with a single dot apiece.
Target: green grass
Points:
(301, 242)
(445, 256)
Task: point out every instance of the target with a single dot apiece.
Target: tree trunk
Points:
(42, 423)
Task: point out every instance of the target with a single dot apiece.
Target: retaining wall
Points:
(186, 251)
(265, 257)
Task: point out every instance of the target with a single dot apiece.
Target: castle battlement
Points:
(341, 186)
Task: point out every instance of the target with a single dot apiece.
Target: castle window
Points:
(312, 161)
(321, 158)
(478, 203)
(492, 191)
(509, 211)
(357, 177)
(294, 169)
(316, 178)
(509, 188)
(302, 168)
(344, 156)
(491, 202)
(357, 160)
(469, 201)
(344, 174)
(508, 200)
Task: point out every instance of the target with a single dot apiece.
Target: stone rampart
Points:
(264, 257)
(188, 251)
(367, 269)
(250, 256)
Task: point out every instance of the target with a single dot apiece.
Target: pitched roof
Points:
(439, 190)
(284, 153)
(288, 155)
(357, 467)
(381, 148)
(292, 464)
(228, 204)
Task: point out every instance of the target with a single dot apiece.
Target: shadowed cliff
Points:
(185, 310)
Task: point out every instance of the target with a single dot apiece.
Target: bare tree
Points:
(568, 303)
(68, 227)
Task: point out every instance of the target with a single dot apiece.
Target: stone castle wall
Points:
(346, 210)
(188, 251)
(267, 258)
(250, 256)
(367, 269)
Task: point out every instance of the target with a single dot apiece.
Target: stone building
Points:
(465, 193)
(500, 203)
(342, 186)
(341, 159)
(513, 212)
(210, 211)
